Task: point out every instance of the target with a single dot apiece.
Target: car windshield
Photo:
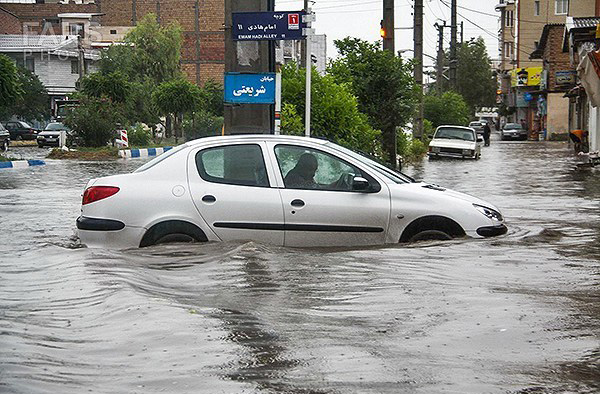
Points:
(512, 126)
(371, 162)
(475, 124)
(454, 134)
(24, 125)
(56, 126)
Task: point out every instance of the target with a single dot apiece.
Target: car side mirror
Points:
(479, 139)
(360, 184)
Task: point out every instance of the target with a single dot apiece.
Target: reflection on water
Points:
(514, 314)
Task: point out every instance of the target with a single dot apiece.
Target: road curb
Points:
(135, 153)
(21, 163)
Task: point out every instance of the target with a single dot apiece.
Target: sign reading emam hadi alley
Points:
(258, 26)
(250, 88)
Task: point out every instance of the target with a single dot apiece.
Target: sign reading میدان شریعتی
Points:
(258, 26)
(250, 88)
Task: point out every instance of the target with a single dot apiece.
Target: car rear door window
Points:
(242, 165)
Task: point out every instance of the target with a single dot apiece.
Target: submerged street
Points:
(518, 313)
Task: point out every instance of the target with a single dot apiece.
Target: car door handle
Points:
(209, 198)
(297, 203)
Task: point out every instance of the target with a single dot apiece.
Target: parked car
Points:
(51, 134)
(283, 190)
(4, 138)
(20, 130)
(513, 131)
(455, 142)
(477, 126)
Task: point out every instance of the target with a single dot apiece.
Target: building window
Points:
(27, 63)
(77, 29)
(508, 50)
(74, 67)
(508, 18)
(562, 7)
(113, 31)
(536, 8)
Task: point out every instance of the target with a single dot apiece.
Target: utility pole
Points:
(418, 42)
(462, 32)
(387, 25)
(440, 58)
(453, 60)
(303, 43)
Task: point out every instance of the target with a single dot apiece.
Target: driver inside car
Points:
(302, 176)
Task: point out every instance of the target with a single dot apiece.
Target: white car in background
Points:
(455, 142)
(282, 190)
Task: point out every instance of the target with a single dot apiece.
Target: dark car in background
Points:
(4, 138)
(513, 131)
(20, 130)
(50, 136)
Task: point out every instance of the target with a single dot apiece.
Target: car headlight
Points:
(467, 152)
(489, 212)
(435, 149)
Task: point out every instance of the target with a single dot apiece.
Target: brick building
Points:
(9, 22)
(203, 50)
(558, 78)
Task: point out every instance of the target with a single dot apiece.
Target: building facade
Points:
(202, 22)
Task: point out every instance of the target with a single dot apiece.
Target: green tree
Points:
(112, 85)
(335, 114)
(212, 98)
(475, 80)
(156, 49)
(449, 108)
(33, 103)
(95, 120)
(382, 83)
(10, 87)
(175, 98)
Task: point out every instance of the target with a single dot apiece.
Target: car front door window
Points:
(306, 168)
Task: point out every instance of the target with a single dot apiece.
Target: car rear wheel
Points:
(172, 231)
(430, 235)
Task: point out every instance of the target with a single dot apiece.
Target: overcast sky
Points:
(361, 18)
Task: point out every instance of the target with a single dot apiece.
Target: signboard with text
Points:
(250, 88)
(258, 26)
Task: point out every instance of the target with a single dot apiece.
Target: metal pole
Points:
(440, 58)
(278, 100)
(308, 77)
(388, 25)
(453, 28)
(418, 37)
(303, 43)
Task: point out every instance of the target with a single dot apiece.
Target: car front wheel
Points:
(430, 235)
(4, 145)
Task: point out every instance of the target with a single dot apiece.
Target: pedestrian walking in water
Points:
(486, 134)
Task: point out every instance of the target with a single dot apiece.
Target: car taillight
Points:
(96, 193)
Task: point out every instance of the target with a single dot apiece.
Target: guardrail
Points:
(147, 152)
(21, 163)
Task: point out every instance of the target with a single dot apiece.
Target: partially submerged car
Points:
(282, 190)
(20, 130)
(51, 134)
(455, 142)
(513, 131)
(478, 126)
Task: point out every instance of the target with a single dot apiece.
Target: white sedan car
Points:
(282, 190)
(455, 141)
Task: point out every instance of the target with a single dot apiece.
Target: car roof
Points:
(256, 137)
(454, 127)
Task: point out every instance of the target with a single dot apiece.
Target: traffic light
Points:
(382, 31)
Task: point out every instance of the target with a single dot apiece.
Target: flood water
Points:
(514, 314)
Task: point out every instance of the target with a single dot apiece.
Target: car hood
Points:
(50, 132)
(448, 143)
(428, 190)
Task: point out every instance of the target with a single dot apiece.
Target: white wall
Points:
(594, 129)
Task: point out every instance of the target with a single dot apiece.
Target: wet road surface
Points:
(513, 314)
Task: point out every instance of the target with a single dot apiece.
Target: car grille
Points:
(455, 151)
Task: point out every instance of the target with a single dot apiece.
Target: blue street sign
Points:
(258, 26)
(250, 88)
